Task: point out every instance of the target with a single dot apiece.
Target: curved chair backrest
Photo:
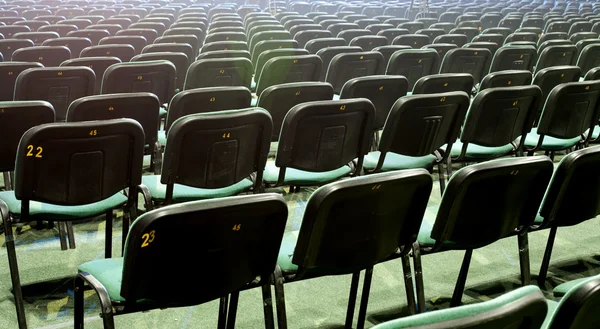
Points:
(490, 37)
(313, 46)
(508, 78)
(413, 64)
(9, 71)
(267, 45)
(474, 61)
(49, 56)
(344, 67)
(189, 39)
(123, 52)
(187, 49)
(414, 40)
(97, 64)
(180, 60)
(137, 41)
(391, 34)
(287, 69)
(589, 58)
(514, 58)
(217, 72)
(556, 55)
(551, 77)
(327, 54)
(75, 44)
(368, 42)
(457, 39)
(94, 35)
(265, 56)
(578, 309)
(443, 83)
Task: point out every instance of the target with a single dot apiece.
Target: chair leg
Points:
(79, 302)
(70, 235)
(352, 299)
(408, 284)
(105, 302)
(419, 278)
(449, 167)
(7, 181)
(62, 236)
(223, 312)
(268, 305)
(14, 270)
(126, 222)
(233, 304)
(547, 254)
(462, 279)
(108, 234)
(364, 299)
(279, 298)
(442, 177)
(524, 258)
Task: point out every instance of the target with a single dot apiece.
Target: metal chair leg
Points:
(105, 302)
(419, 278)
(408, 284)
(70, 235)
(14, 267)
(352, 299)
(231, 314)
(126, 222)
(108, 234)
(79, 302)
(223, 312)
(364, 299)
(279, 298)
(268, 304)
(524, 258)
(62, 235)
(7, 181)
(462, 279)
(547, 254)
(442, 177)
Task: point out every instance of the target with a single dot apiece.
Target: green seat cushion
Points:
(550, 143)
(253, 102)
(552, 306)
(562, 289)
(475, 151)
(300, 177)
(162, 112)
(595, 134)
(394, 161)
(58, 212)
(458, 312)
(183, 193)
(336, 97)
(538, 219)
(162, 137)
(253, 85)
(109, 272)
(286, 252)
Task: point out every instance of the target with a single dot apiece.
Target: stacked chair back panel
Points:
(9, 71)
(413, 64)
(285, 69)
(8, 46)
(180, 60)
(550, 77)
(46, 55)
(443, 83)
(265, 56)
(328, 53)
(94, 35)
(219, 72)
(589, 58)
(344, 67)
(578, 308)
(97, 64)
(474, 61)
(506, 79)
(514, 58)
(123, 52)
(556, 55)
(75, 44)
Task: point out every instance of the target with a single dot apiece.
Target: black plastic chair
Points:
(443, 83)
(327, 54)
(413, 64)
(94, 35)
(551, 77)
(254, 224)
(137, 41)
(219, 72)
(578, 308)
(75, 44)
(97, 64)
(474, 61)
(344, 67)
(49, 56)
(457, 39)
(286, 69)
(9, 71)
(123, 52)
(555, 56)
(180, 60)
(508, 78)
(368, 42)
(265, 56)
(414, 40)
(589, 58)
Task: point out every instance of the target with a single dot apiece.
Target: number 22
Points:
(39, 150)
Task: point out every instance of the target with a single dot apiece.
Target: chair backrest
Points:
(400, 198)
(217, 72)
(368, 42)
(98, 159)
(185, 48)
(253, 223)
(9, 71)
(97, 64)
(287, 69)
(443, 83)
(475, 61)
(189, 39)
(58, 85)
(123, 52)
(48, 56)
(75, 44)
(418, 125)
(522, 308)
(201, 100)
(142, 107)
(325, 135)
(457, 39)
(579, 308)
(18, 117)
(157, 77)
(94, 35)
(509, 189)
(414, 40)
(506, 78)
(514, 58)
(570, 110)
(137, 41)
(228, 146)
(180, 60)
(224, 54)
(346, 66)
(279, 99)
(381, 90)
(556, 55)
(268, 54)
(589, 58)
(413, 64)
(498, 116)
(550, 77)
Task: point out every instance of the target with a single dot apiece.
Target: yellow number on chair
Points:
(237, 227)
(39, 150)
(148, 238)
(29, 150)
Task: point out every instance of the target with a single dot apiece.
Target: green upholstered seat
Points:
(549, 143)
(162, 137)
(552, 306)
(286, 252)
(162, 112)
(538, 219)
(458, 312)
(336, 97)
(254, 101)
(596, 132)
(475, 151)
(562, 289)
(183, 193)
(253, 85)
(109, 272)
(58, 212)
(394, 161)
(300, 177)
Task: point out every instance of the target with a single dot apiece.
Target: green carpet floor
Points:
(317, 303)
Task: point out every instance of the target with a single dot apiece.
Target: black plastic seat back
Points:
(327, 55)
(97, 160)
(286, 69)
(219, 73)
(267, 35)
(141, 107)
(498, 116)
(583, 36)
(589, 58)
(387, 51)
(267, 45)
(549, 43)
(279, 99)
(180, 60)
(18, 117)
(570, 110)
(49, 56)
(348, 35)
(9, 71)
(555, 56)
(413, 64)
(75, 44)
(443, 83)
(37, 37)
(511, 189)
(419, 125)
(305, 36)
(399, 198)
(224, 54)
(508, 78)
(9, 31)
(431, 33)
(94, 35)
(521, 36)
(97, 64)
(368, 42)
(491, 46)
(58, 85)
(171, 47)
(202, 100)
(579, 308)
(265, 56)
(315, 45)
(189, 39)
(553, 36)
(514, 58)
(344, 67)
(325, 135)
(157, 77)
(253, 223)
(61, 29)
(414, 40)
(138, 42)
(8, 46)
(382, 90)
(489, 37)
(474, 61)
(457, 39)
(123, 52)
(391, 34)
(551, 77)
(224, 45)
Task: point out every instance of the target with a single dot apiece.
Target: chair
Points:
(138, 42)
(509, 189)
(191, 40)
(8, 46)
(523, 308)
(457, 39)
(267, 45)
(589, 58)
(431, 33)
(495, 38)
(556, 55)
(265, 56)
(348, 35)
(48, 56)
(86, 184)
(285, 69)
(58, 85)
(94, 35)
(123, 52)
(413, 64)
(219, 72)
(368, 42)
(514, 58)
(327, 54)
(9, 31)
(387, 51)
(75, 44)
(340, 131)
(9, 71)
(97, 64)
(391, 34)
(171, 47)
(521, 36)
(552, 36)
(551, 77)
(346, 66)
(578, 307)
(180, 60)
(112, 29)
(371, 237)
(414, 40)
(443, 83)
(570, 110)
(506, 79)
(474, 61)
(305, 36)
